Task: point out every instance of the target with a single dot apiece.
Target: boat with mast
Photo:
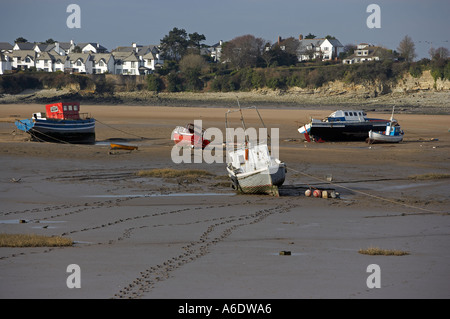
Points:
(250, 165)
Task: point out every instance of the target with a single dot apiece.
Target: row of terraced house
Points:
(93, 58)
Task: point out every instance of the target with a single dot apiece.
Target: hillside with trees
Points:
(247, 64)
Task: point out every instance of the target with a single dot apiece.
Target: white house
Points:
(323, 49)
(126, 63)
(45, 62)
(23, 59)
(58, 64)
(131, 65)
(79, 63)
(364, 52)
(216, 51)
(102, 63)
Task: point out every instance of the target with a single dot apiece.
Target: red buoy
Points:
(317, 193)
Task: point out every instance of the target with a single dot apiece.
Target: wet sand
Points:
(140, 237)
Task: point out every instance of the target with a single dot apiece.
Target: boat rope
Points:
(114, 128)
(370, 195)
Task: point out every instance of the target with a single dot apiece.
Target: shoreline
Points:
(420, 102)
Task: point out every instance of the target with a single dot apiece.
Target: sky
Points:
(114, 23)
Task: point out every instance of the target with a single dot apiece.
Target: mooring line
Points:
(370, 195)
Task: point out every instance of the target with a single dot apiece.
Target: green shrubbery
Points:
(220, 78)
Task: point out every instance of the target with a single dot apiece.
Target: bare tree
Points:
(406, 49)
(243, 51)
(438, 53)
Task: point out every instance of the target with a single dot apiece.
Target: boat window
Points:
(75, 107)
(351, 113)
(70, 107)
(346, 114)
(65, 107)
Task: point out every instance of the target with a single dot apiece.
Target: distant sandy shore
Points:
(140, 237)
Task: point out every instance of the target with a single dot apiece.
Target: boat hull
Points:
(344, 132)
(263, 181)
(60, 131)
(380, 137)
(182, 138)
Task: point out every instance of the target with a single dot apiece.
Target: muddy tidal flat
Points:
(182, 238)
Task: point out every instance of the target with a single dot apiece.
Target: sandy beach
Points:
(142, 237)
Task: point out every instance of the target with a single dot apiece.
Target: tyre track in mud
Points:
(216, 230)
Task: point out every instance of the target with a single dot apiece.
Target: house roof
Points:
(125, 56)
(45, 56)
(84, 57)
(44, 46)
(5, 46)
(98, 56)
(24, 53)
(94, 44)
(25, 45)
(335, 42)
(65, 45)
(149, 55)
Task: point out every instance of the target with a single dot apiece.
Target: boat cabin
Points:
(340, 115)
(63, 111)
(393, 129)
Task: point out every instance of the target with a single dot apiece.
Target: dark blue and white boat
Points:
(61, 123)
(342, 126)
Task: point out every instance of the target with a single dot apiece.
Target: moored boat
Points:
(115, 146)
(62, 122)
(342, 126)
(251, 167)
(392, 133)
(187, 136)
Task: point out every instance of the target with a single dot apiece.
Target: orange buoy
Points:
(308, 193)
(317, 193)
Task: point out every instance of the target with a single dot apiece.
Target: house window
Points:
(78, 63)
(101, 63)
(133, 64)
(27, 60)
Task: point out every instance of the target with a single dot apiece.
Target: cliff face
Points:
(407, 84)
(425, 82)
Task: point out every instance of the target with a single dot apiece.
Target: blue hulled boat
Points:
(62, 122)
